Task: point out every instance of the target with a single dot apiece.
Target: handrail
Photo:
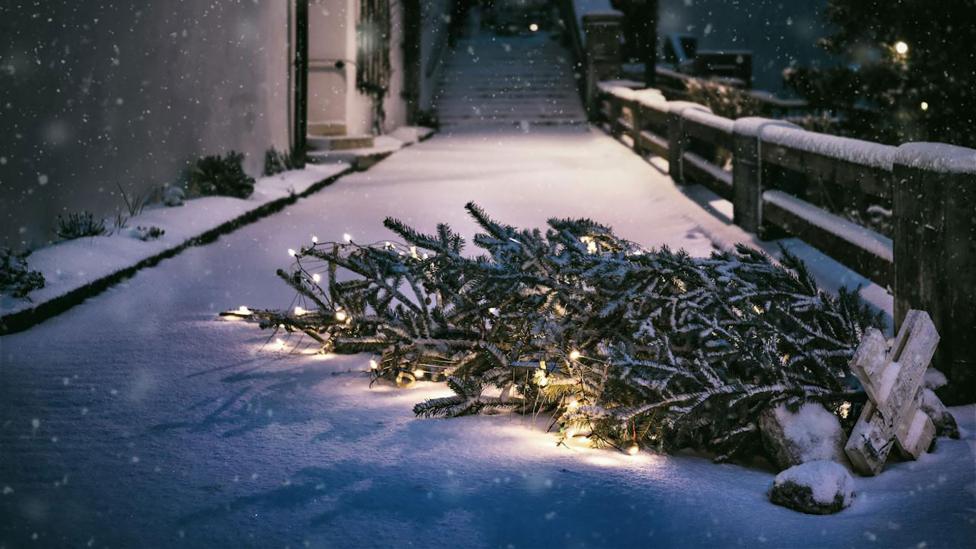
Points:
(770, 169)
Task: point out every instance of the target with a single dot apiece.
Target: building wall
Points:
(331, 37)
(99, 94)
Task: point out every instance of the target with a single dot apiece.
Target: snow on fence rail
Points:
(927, 264)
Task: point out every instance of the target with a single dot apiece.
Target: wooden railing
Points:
(928, 263)
(765, 167)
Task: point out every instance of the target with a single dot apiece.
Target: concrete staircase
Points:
(332, 136)
(514, 81)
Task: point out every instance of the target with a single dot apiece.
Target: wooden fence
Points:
(928, 262)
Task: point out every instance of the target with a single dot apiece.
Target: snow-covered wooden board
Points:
(893, 381)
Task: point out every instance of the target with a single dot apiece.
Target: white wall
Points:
(331, 23)
(333, 94)
(98, 93)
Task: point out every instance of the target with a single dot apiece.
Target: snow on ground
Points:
(72, 264)
(140, 419)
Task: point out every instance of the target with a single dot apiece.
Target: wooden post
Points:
(678, 140)
(747, 187)
(934, 213)
(637, 125)
(300, 128)
(615, 113)
(602, 32)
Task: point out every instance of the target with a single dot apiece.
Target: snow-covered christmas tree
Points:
(628, 347)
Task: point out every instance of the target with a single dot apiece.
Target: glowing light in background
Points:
(901, 48)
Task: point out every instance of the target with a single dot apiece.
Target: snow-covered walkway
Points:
(139, 419)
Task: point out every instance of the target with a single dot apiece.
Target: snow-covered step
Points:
(327, 128)
(339, 142)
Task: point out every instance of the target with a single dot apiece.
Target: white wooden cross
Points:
(893, 381)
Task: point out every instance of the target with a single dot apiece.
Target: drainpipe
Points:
(301, 81)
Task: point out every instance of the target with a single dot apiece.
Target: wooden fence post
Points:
(637, 125)
(747, 187)
(677, 138)
(603, 56)
(934, 213)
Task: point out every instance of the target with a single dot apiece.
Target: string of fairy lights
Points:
(311, 268)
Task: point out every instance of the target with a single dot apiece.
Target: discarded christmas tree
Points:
(629, 347)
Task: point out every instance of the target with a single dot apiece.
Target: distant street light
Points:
(924, 106)
(533, 27)
(901, 48)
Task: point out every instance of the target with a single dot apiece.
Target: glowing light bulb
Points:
(633, 450)
(347, 237)
(292, 252)
(901, 48)
(574, 355)
(316, 278)
(418, 373)
(373, 364)
(315, 239)
(924, 106)
(299, 311)
(341, 315)
(533, 27)
(243, 310)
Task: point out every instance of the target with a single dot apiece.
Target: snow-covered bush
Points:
(16, 279)
(224, 176)
(151, 232)
(625, 346)
(79, 225)
(722, 99)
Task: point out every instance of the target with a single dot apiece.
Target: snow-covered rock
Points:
(812, 433)
(173, 195)
(934, 379)
(816, 487)
(945, 424)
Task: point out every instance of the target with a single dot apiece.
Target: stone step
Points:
(339, 142)
(327, 128)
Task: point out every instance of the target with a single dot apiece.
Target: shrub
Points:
(276, 161)
(722, 99)
(79, 225)
(151, 232)
(15, 278)
(223, 176)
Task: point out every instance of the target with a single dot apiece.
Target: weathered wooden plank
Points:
(709, 128)
(701, 171)
(869, 180)
(859, 248)
(654, 143)
(893, 382)
(935, 252)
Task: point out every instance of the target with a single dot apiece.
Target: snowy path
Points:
(139, 419)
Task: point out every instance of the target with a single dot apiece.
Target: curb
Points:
(27, 318)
